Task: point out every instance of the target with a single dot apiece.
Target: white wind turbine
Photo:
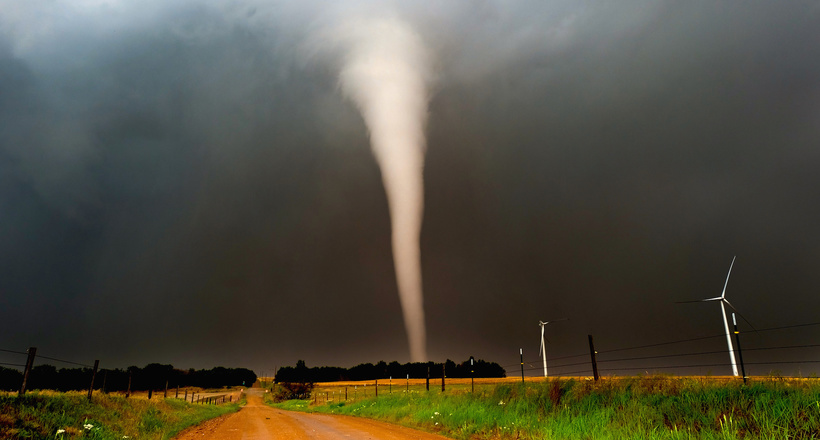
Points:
(543, 351)
(722, 299)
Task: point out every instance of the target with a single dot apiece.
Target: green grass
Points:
(40, 415)
(650, 407)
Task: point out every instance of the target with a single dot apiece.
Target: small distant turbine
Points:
(543, 351)
(722, 299)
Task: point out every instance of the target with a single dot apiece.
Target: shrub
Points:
(292, 390)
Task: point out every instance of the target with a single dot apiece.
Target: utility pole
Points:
(521, 353)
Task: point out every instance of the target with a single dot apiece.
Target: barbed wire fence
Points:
(608, 362)
(31, 356)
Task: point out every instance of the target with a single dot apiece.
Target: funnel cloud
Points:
(385, 74)
(197, 161)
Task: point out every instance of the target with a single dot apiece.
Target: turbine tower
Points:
(543, 351)
(722, 299)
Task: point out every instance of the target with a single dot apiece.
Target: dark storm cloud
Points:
(184, 183)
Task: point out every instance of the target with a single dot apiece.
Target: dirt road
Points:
(259, 421)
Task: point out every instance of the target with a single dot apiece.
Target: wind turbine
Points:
(543, 351)
(722, 299)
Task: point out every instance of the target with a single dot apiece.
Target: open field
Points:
(49, 414)
(642, 407)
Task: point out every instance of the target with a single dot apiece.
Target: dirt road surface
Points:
(257, 421)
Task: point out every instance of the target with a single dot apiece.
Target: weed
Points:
(64, 416)
(645, 407)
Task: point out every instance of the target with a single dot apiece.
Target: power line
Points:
(12, 365)
(13, 351)
(782, 348)
(789, 326)
(661, 356)
(64, 361)
(660, 343)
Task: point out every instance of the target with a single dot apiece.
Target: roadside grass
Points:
(643, 407)
(52, 415)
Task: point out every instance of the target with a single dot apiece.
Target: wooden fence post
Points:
(592, 354)
(442, 377)
(93, 375)
(128, 391)
(32, 351)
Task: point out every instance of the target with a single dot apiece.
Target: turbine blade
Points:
(727, 277)
(717, 298)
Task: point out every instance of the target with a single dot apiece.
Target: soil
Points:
(259, 421)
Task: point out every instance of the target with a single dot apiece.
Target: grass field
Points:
(53, 415)
(644, 407)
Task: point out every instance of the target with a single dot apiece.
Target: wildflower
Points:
(436, 413)
(88, 426)
(501, 402)
(59, 431)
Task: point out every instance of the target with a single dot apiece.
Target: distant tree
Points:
(10, 379)
(43, 377)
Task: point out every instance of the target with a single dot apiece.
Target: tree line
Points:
(382, 370)
(151, 377)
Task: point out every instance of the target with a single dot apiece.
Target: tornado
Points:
(385, 73)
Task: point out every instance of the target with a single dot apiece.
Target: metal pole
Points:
(739, 352)
(544, 349)
(592, 354)
(521, 352)
(728, 340)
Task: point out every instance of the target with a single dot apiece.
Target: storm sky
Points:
(185, 182)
